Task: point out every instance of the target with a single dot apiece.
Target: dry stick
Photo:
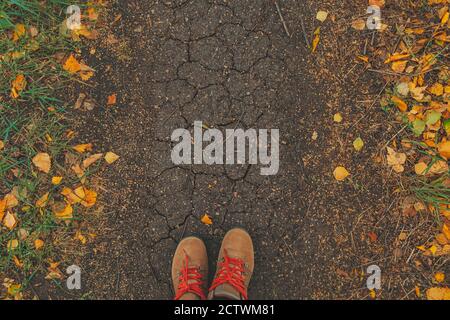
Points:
(370, 108)
(282, 19)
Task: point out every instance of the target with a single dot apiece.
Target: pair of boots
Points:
(234, 268)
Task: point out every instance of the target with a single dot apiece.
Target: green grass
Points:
(30, 124)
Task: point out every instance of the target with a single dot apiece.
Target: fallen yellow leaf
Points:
(340, 173)
(111, 157)
(358, 144)
(337, 118)
(65, 213)
(42, 161)
(438, 294)
(56, 180)
(12, 244)
(10, 220)
(399, 66)
(11, 200)
(439, 277)
(71, 196)
(420, 168)
(72, 65)
(316, 39)
(437, 89)
(42, 201)
(322, 15)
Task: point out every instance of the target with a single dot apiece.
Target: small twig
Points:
(282, 19)
(395, 135)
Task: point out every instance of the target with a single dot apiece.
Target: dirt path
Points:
(229, 64)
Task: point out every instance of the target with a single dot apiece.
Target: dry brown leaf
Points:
(396, 160)
(359, 24)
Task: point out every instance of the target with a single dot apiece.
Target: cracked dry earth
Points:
(231, 65)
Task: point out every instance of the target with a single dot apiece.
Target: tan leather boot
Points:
(234, 267)
(190, 270)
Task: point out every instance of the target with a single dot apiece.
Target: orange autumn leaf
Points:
(396, 57)
(206, 219)
(42, 161)
(38, 244)
(91, 160)
(112, 99)
(19, 32)
(2, 208)
(82, 148)
(72, 65)
(92, 14)
(87, 197)
(42, 201)
(18, 85)
(17, 262)
(444, 149)
(401, 105)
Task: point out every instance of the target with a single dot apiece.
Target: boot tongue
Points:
(225, 291)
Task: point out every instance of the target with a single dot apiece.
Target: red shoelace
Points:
(231, 271)
(191, 281)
